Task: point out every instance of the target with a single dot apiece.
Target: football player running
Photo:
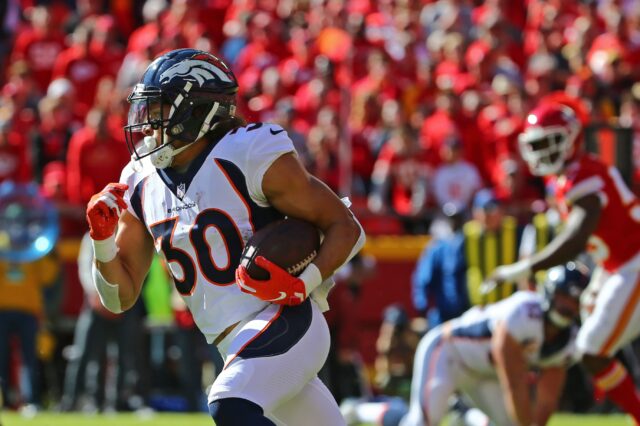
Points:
(200, 183)
(486, 355)
(602, 216)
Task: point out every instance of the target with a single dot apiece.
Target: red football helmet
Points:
(552, 133)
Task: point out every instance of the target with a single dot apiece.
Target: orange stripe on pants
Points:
(623, 320)
(432, 366)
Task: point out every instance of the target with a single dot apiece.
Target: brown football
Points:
(289, 243)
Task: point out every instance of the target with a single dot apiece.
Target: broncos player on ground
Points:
(602, 215)
(486, 355)
(200, 183)
(487, 352)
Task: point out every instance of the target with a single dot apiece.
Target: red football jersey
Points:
(617, 238)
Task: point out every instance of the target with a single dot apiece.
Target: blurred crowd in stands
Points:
(408, 106)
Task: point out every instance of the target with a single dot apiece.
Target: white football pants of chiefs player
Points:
(438, 373)
(610, 310)
(273, 359)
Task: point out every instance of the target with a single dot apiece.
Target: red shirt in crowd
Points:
(93, 163)
(14, 161)
(435, 129)
(83, 70)
(404, 169)
(143, 37)
(40, 50)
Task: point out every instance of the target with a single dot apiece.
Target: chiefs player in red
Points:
(602, 216)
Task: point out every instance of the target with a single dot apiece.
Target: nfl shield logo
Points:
(182, 188)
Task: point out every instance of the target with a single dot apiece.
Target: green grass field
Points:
(163, 419)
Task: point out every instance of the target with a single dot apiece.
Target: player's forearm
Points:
(516, 396)
(343, 239)
(549, 388)
(123, 262)
(511, 369)
(518, 404)
(565, 247)
(543, 413)
(116, 273)
(581, 224)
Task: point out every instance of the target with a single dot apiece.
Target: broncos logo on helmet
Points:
(195, 70)
(202, 78)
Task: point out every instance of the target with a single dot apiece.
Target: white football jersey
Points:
(201, 219)
(523, 315)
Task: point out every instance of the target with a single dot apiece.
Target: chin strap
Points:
(163, 157)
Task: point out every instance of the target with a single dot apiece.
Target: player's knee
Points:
(238, 412)
(595, 364)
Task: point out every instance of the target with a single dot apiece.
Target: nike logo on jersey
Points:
(276, 132)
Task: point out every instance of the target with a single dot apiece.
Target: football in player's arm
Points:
(197, 167)
(289, 188)
(602, 216)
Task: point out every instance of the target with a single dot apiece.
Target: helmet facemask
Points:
(183, 95)
(178, 116)
(147, 112)
(547, 149)
(562, 291)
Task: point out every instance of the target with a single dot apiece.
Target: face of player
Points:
(151, 115)
(155, 116)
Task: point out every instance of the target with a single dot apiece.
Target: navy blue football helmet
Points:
(194, 89)
(571, 280)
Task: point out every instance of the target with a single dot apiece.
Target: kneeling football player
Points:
(487, 353)
(486, 356)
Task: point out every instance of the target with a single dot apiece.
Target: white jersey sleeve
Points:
(132, 175)
(253, 149)
(523, 317)
(268, 145)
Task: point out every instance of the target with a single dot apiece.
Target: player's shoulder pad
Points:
(262, 133)
(525, 305)
(586, 166)
(253, 142)
(526, 297)
(136, 170)
(524, 316)
(586, 176)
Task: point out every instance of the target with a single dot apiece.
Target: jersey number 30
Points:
(215, 274)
